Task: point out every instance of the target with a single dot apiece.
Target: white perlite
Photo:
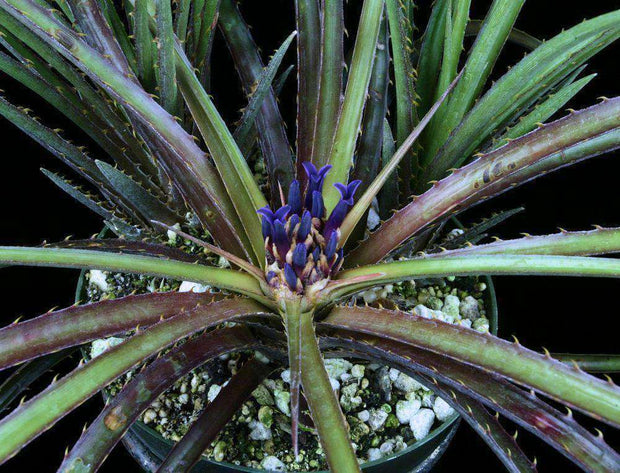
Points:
(469, 308)
(363, 415)
(377, 418)
(283, 399)
(374, 454)
(104, 344)
(259, 431)
(336, 367)
(406, 383)
(421, 423)
(442, 409)
(405, 410)
(99, 279)
(214, 390)
(188, 286)
(271, 463)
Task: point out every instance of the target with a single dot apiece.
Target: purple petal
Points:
(266, 212)
(267, 227)
(280, 239)
(300, 254)
(336, 218)
(330, 248)
(294, 197)
(290, 276)
(282, 212)
(304, 226)
(318, 208)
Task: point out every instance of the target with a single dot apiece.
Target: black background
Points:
(575, 315)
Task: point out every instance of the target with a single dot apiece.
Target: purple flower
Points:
(315, 181)
(342, 207)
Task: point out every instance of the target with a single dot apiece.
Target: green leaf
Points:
(578, 136)
(145, 204)
(308, 22)
(545, 110)
(341, 157)
(358, 279)
(457, 17)
(40, 413)
(363, 203)
(243, 133)
(593, 396)
(519, 88)
(330, 87)
(66, 258)
(484, 53)
(322, 401)
(231, 165)
(591, 363)
(145, 48)
(431, 52)
(594, 242)
(166, 70)
(76, 325)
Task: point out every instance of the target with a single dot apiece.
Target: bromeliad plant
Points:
(136, 80)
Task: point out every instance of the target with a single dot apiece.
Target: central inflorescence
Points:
(301, 244)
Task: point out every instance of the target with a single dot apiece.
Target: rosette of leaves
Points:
(136, 79)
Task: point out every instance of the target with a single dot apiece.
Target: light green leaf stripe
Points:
(228, 279)
(358, 279)
(231, 165)
(341, 157)
(546, 109)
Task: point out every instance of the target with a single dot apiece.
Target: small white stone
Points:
(405, 410)
(335, 384)
(149, 416)
(421, 423)
(286, 376)
(406, 383)
(393, 373)
(104, 344)
(377, 418)
(451, 305)
(98, 278)
(428, 399)
(183, 398)
(423, 311)
(373, 219)
(188, 286)
(283, 401)
(358, 371)
(344, 377)
(387, 447)
(374, 454)
(271, 463)
(259, 431)
(214, 390)
(335, 367)
(469, 308)
(442, 409)
(172, 236)
(363, 415)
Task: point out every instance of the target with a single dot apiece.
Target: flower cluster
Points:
(301, 244)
